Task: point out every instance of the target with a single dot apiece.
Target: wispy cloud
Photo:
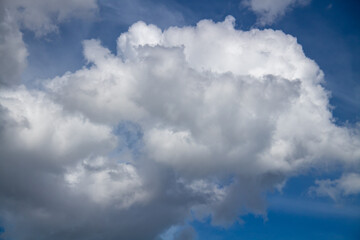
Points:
(268, 11)
(348, 184)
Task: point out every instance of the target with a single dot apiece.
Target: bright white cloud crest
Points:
(204, 118)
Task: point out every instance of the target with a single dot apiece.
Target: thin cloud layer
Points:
(183, 123)
(268, 11)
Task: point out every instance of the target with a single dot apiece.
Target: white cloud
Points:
(38, 124)
(348, 184)
(258, 98)
(43, 16)
(106, 182)
(222, 116)
(212, 101)
(268, 11)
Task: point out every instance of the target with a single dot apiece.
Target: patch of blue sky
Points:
(56, 53)
(331, 37)
(130, 137)
(283, 225)
(2, 231)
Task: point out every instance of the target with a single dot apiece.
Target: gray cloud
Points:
(12, 49)
(203, 119)
(43, 16)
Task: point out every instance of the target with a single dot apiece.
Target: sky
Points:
(179, 120)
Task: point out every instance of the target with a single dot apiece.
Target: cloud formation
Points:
(41, 17)
(268, 11)
(187, 122)
(13, 52)
(348, 184)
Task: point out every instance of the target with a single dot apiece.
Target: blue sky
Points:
(310, 201)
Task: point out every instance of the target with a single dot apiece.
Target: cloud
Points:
(268, 11)
(202, 119)
(41, 17)
(348, 184)
(13, 52)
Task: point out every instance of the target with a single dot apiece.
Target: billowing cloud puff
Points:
(270, 10)
(204, 118)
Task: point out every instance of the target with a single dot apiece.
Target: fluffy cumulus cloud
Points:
(270, 10)
(183, 123)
